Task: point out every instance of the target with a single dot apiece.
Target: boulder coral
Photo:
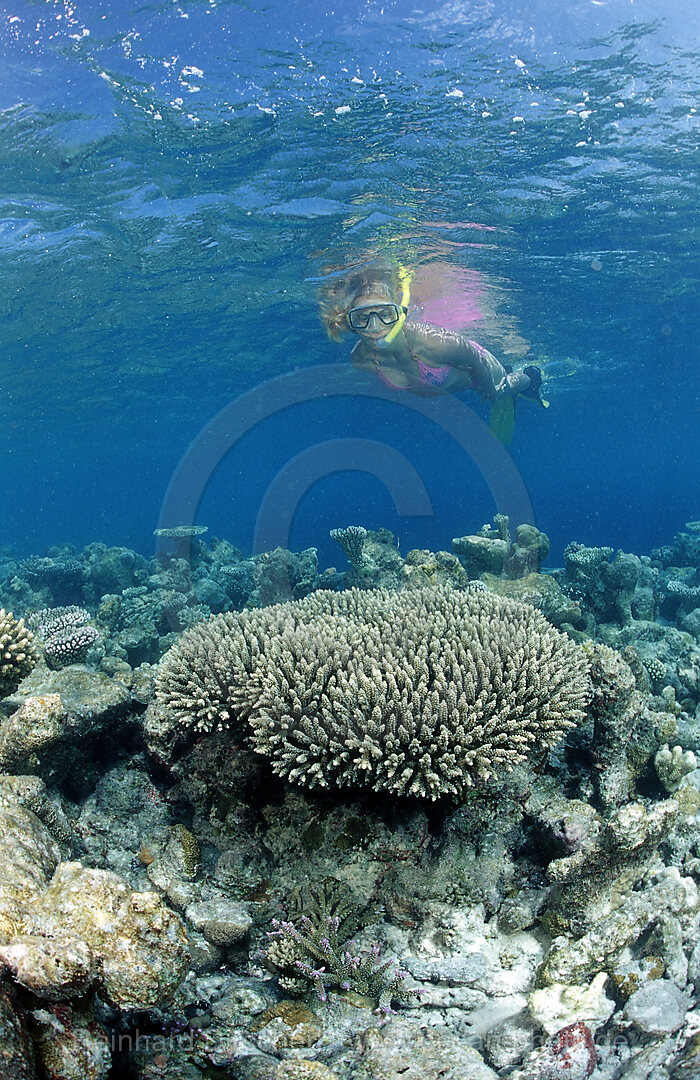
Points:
(493, 551)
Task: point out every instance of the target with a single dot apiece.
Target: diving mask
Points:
(360, 317)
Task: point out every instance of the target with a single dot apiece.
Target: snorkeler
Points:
(419, 357)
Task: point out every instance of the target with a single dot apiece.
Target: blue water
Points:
(178, 178)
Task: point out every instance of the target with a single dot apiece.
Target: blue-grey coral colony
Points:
(534, 914)
(66, 633)
(421, 693)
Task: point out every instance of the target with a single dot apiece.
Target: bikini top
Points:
(429, 376)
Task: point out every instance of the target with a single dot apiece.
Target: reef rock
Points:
(70, 1044)
(38, 723)
(61, 722)
(492, 551)
(540, 590)
(658, 1007)
(65, 927)
(570, 1053)
(139, 943)
(16, 1053)
(402, 1051)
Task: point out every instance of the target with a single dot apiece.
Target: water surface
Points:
(178, 178)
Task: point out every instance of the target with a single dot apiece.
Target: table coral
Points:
(425, 692)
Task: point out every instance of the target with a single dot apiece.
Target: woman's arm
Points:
(488, 376)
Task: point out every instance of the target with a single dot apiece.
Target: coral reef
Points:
(543, 923)
(624, 733)
(543, 592)
(110, 570)
(684, 549)
(422, 567)
(69, 1043)
(60, 577)
(424, 693)
(374, 557)
(70, 647)
(616, 591)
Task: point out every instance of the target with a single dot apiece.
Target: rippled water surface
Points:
(179, 178)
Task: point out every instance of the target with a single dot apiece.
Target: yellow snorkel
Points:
(405, 276)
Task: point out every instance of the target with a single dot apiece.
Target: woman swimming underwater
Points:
(419, 357)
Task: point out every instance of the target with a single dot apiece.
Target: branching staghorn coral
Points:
(202, 678)
(314, 910)
(324, 962)
(422, 693)
(676, 587)
(329, 898)
(18, 654)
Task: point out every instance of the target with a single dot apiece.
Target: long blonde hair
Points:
(338, 296)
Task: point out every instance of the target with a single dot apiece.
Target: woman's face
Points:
(377, 310)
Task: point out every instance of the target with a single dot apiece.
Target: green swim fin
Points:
(502, 418)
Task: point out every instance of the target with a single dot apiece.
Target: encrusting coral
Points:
(421, 693)
(18, 654)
